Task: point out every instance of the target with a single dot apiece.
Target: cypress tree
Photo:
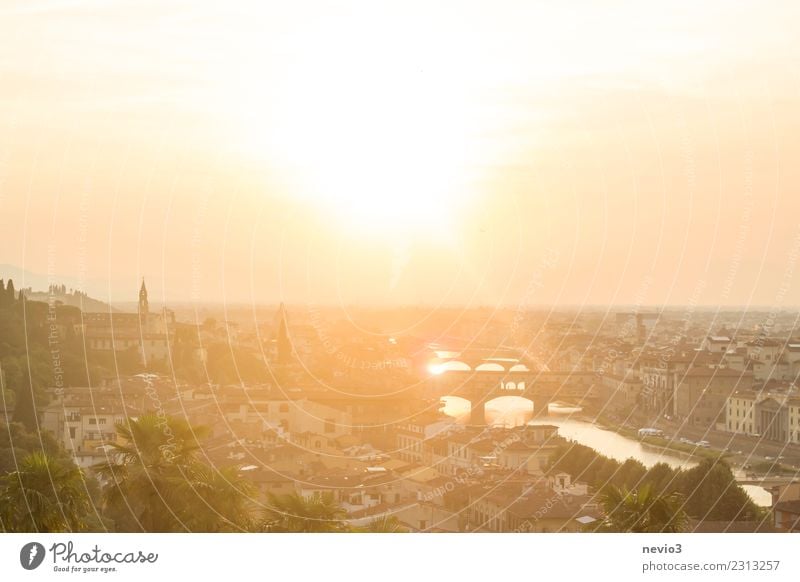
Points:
(25, 410)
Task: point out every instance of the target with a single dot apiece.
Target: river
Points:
(511, 411)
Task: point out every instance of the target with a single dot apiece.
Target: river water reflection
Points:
(511, 412)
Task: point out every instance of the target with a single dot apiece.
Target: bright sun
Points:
(373, 136)
(382, 155)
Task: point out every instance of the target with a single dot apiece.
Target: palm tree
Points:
(295, 513)
(45, 494)
(224, 499)
(385, 524)
(641, 510)
(149, 473)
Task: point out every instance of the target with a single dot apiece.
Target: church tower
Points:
(144, 308)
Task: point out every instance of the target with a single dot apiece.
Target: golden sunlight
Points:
(377, 134)
(383, 155)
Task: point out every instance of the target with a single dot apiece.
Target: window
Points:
(92, 421)
(101, 421)
(72, 432)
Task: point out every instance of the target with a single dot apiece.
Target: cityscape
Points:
(525, 421)
(420, 267)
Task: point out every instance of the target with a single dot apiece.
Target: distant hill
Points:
(76, 299)
(35, 287)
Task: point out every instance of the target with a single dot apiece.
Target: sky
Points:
(436, 153)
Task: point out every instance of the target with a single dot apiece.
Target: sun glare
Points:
(379, 140)
(383, 156)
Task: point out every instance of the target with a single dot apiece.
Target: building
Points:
(265, 409)
(717, 344)
(143, 333)
(428, 517)
(702, 394)
(621, 392)
(772, 415)
(83, 421)
(529, 506)
(645, 326)
(740, 417)
(787, 516)
(662, 370)
(411, 435)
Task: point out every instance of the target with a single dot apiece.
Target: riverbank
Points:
(741, 451)
(624, 444)
(663, 443)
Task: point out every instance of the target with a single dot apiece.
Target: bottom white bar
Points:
(401, 557)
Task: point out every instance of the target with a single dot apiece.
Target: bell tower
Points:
(144, 308)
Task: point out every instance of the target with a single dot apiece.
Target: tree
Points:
(630, 474)
(661, 478)
(16, 442)
(146, 475)
(25, 410)
(712, 494)
(155, 483)
(710, 490)
(384, 524)
(11, 295)
(642, 511)
(224, 499)
(297, 514)
(45, 494)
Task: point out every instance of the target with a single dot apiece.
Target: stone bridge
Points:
(479, 379)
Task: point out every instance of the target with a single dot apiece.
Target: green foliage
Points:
(25, 410)
(155, 483)
(297, 514)
(16, 442)
(709, 490)
(642, 510)
(46, 494)
(29, 350)
(385, 524)
(713, 494)
(231, 365)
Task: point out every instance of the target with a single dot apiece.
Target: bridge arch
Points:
(457, 407)
(490, 367)
(509, 410)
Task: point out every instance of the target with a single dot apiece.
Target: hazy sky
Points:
(408, 152)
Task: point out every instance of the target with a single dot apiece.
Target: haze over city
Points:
(414, 267)
(414, 153)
